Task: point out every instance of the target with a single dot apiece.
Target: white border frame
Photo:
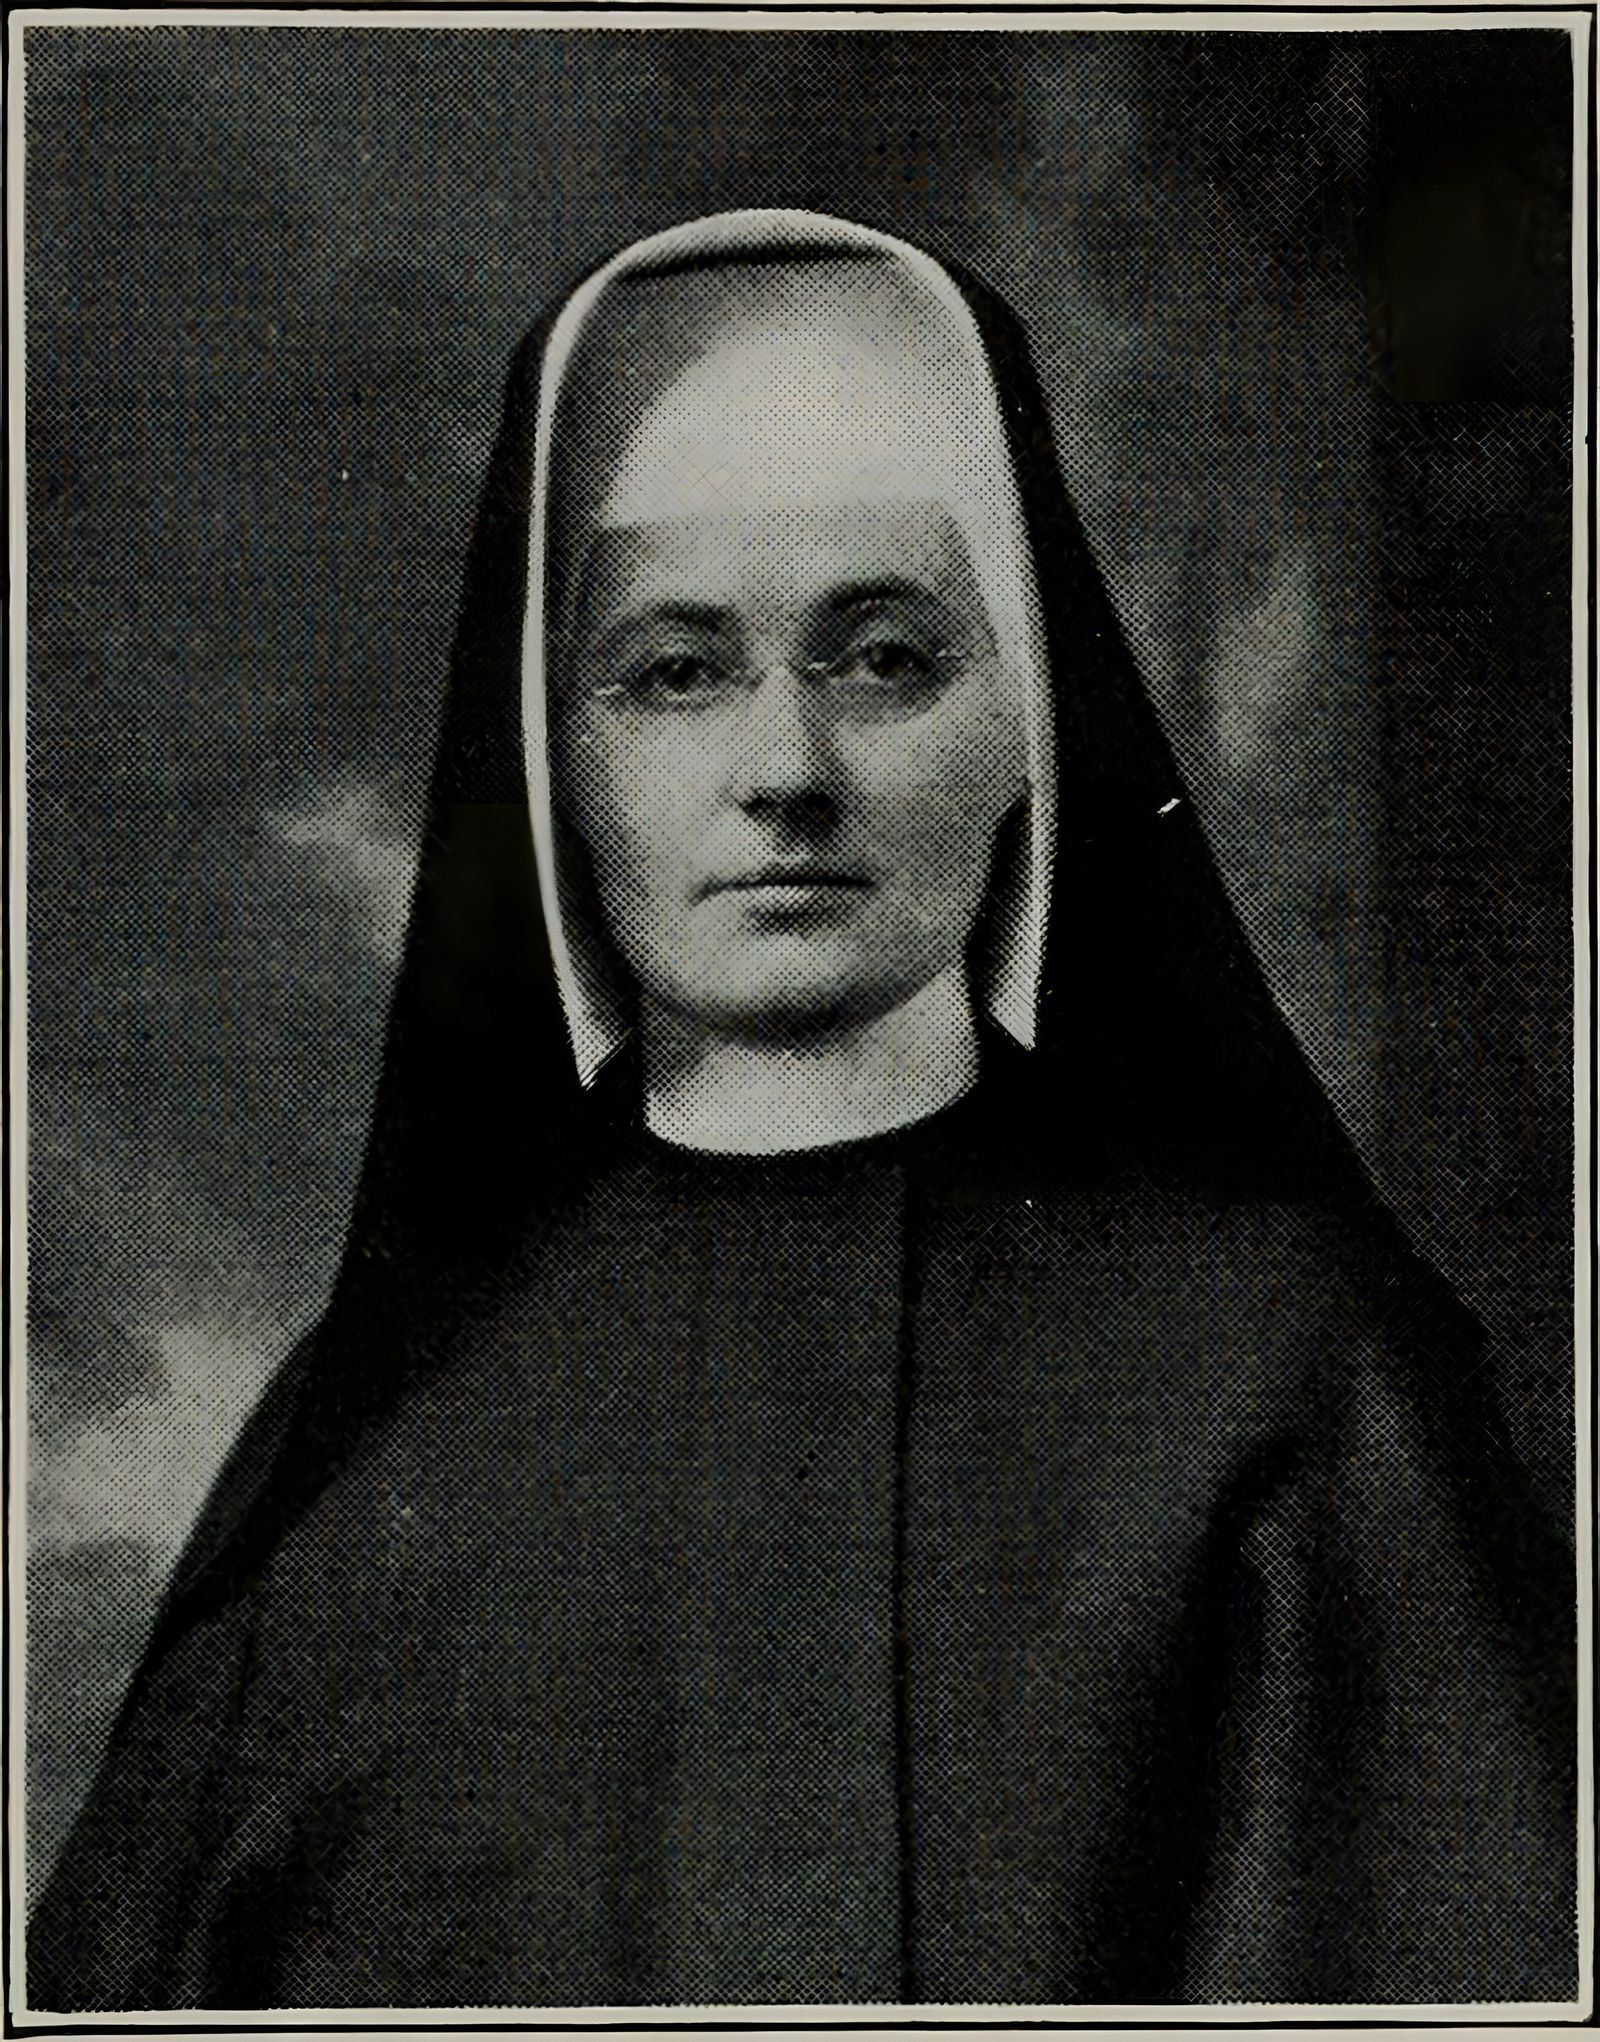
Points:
(1253, 16)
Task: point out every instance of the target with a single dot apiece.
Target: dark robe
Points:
(1055, 1554)
(887, 1575)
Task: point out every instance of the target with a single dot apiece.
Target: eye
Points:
(893, 662)
(680, 680)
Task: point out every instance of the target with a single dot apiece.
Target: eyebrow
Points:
(696, 616)
(705, 616)
(948, 613)
(888, 588)
(838, 602)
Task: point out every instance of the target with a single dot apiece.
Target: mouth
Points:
(796, 880)
(795, 896)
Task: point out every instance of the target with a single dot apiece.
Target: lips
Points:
(797, 878)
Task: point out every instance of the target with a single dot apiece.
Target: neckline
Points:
(829, 1162)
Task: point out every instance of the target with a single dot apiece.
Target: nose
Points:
(783, 753)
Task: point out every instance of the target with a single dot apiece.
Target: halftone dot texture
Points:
(826, 372)
(273, 281)
(765, 1605)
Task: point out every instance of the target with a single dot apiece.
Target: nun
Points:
(872, 1444)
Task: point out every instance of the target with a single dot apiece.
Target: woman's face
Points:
(786, 743)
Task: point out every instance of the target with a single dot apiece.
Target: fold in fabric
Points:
(1060, 1554)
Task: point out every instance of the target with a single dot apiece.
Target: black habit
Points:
(1054, 1554)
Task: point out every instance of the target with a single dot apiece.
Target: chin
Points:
(786, 1012)
(793, 1001)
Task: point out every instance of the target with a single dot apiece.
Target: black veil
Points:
(1156, 1028)
(1159, 1053)
(1149, 989)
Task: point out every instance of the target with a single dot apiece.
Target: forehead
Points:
(777, 561)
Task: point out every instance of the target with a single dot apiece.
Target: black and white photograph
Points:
(798, 954)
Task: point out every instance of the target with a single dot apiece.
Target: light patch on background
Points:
(143, 1472)
(1263, 662)
(359, 848)
(207, 1006)
(1290, 734)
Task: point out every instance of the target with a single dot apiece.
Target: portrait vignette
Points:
(631, 699)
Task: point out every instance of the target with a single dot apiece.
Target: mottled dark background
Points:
(1302, 305)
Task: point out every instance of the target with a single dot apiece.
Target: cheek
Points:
(936, 795)
(629, 799)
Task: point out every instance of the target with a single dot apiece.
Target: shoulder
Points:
(306, 1480)
(1205, 1291)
